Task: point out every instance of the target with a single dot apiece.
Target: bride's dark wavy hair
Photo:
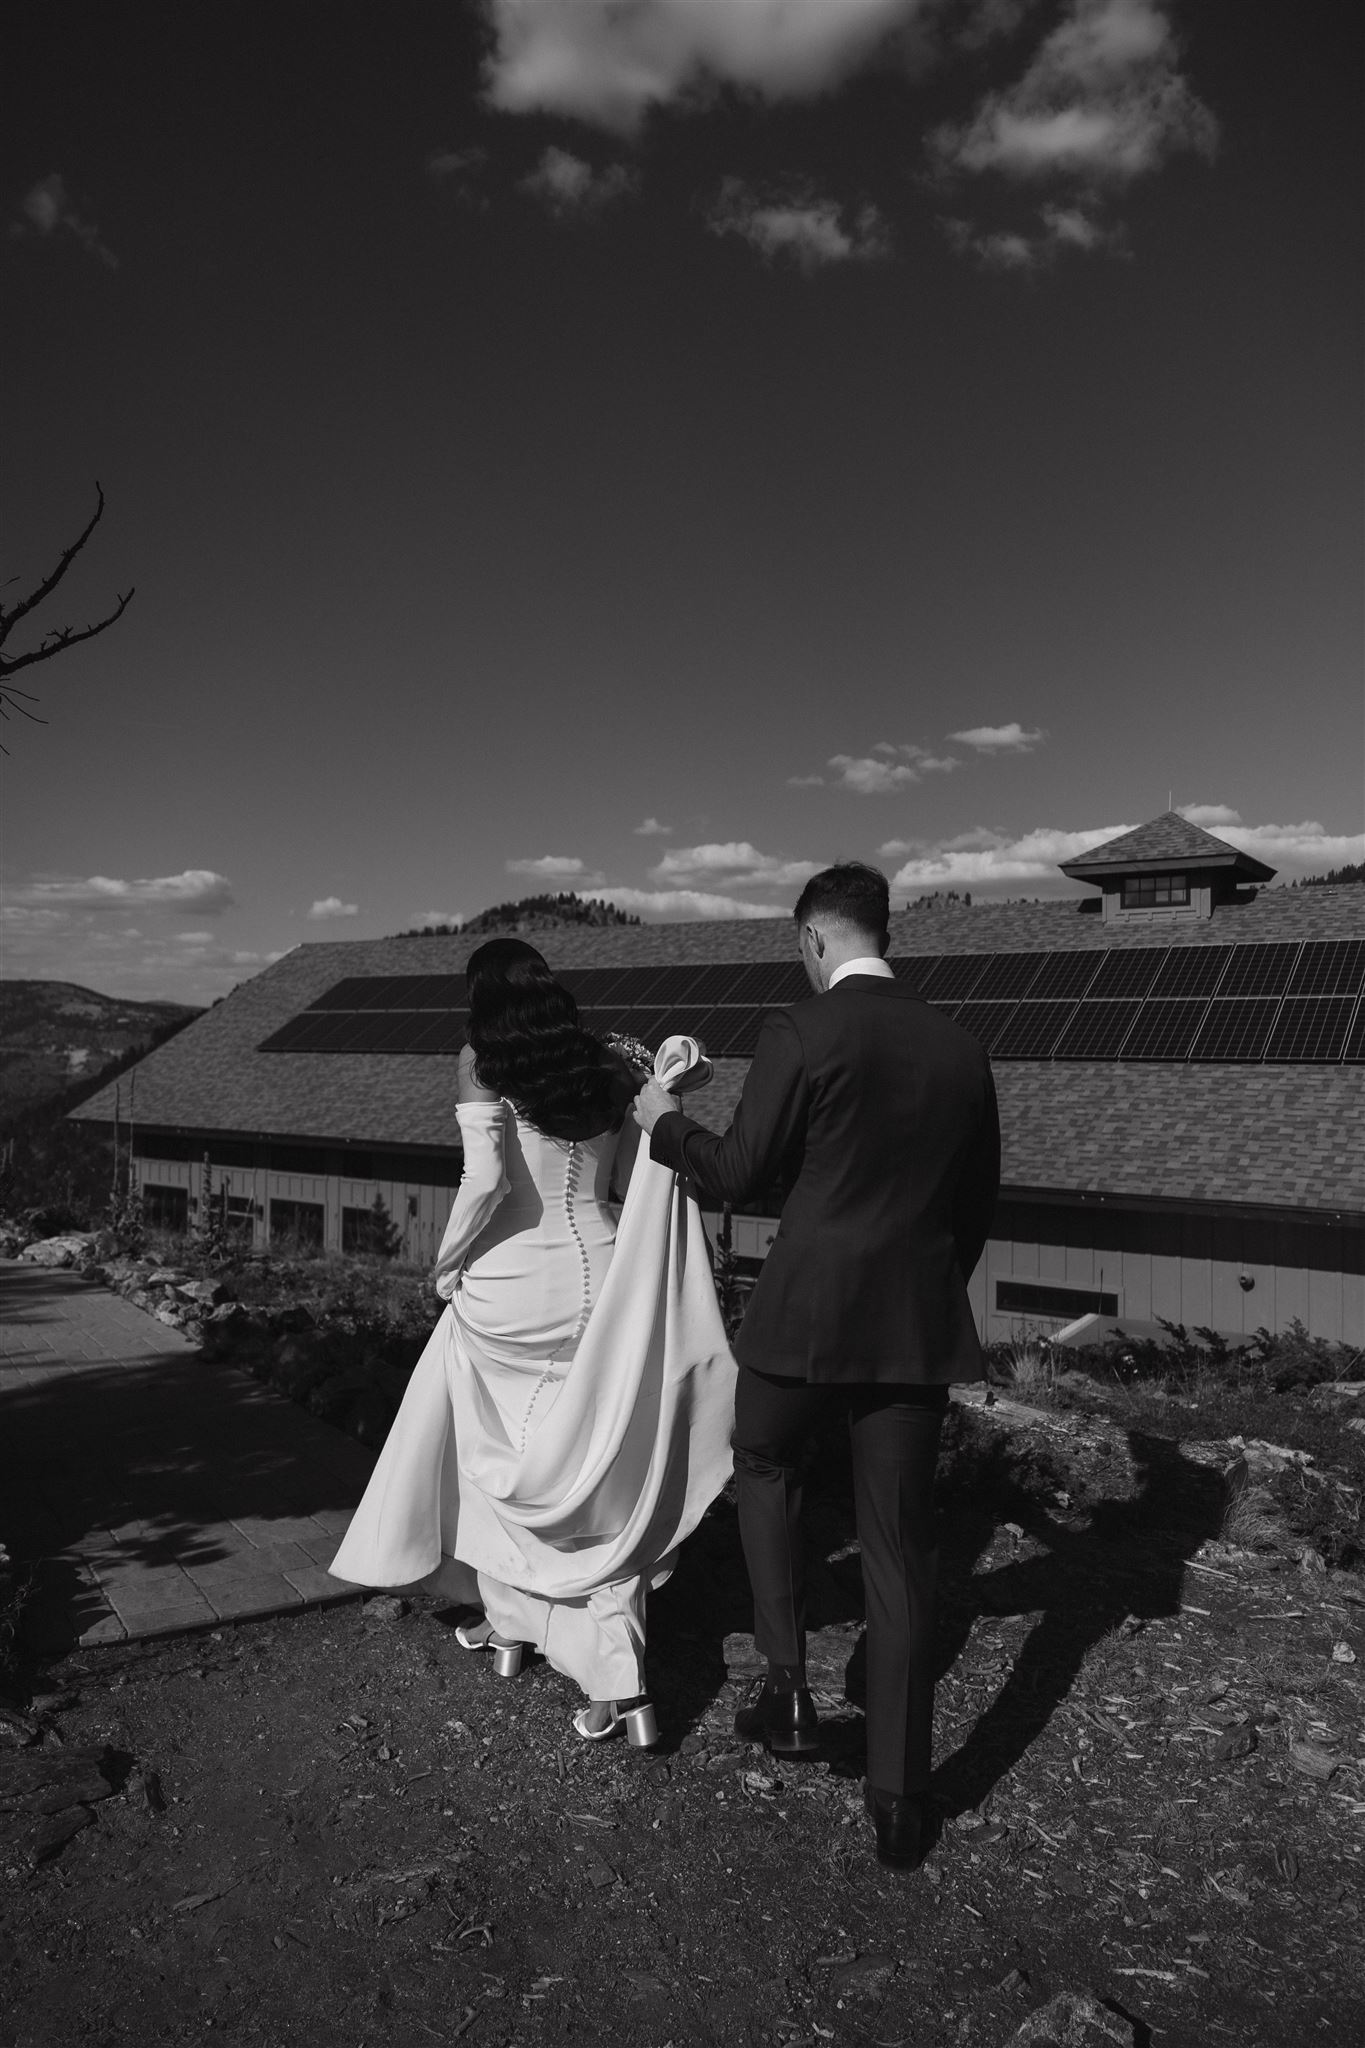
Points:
(530, 1046)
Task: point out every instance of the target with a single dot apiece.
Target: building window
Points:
(1155, 892)
(1027, 1298)
(166, 1208)
(297, 1224)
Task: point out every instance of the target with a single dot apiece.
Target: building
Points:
(1180, 1063)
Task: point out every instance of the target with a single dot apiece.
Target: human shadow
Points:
(1127, 1560)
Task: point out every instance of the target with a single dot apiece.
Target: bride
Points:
(568, 1423)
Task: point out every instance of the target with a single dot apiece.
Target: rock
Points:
(288, 1322)
(209, 1293)
(16, 1730)
(174, 1318)
(58, 1251)
(42, 1781)
(1073, 2019)
(385, 1607)
(1227, 1460)
(166, 1276)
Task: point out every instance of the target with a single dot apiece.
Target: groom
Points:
(882, 1114)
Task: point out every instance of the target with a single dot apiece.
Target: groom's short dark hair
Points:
(853, 893)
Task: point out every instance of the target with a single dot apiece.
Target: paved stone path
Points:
(160, 1492)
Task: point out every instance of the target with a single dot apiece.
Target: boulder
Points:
(166, 1276)
(1074, 2019)
(207, 1293)
(59, 1251)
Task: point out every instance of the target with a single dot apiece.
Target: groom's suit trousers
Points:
(894, 1432)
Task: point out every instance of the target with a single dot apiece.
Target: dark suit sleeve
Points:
(770, 1120)
(978, 1186)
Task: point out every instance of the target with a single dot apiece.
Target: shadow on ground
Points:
(160, 1458)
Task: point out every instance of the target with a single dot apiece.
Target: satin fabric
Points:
(568, 1423)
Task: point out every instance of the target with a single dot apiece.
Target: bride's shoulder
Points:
(468, 1087)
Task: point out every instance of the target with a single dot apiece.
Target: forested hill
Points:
(57, 1038)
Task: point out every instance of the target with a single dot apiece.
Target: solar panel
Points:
(985, 1020)
(290, 1037)
(914, 968)
(1128, 971)
(1330, 967)
(590, 986)
(1097, 1030)
(1165, 1028)
(1065, 974)
(1236, 1028)
(947, 1009)
(1032, 1031)
(734, 1033)
(1354, 1048)
(611, 1017)
(770, 983)
(952, 979)
(713, 984)
(1259, 970)
(444, 1033)
(1007, 974)
(344, 995)
(384, 992)
(1310, 1028)
(435, 992)
(1192, 971)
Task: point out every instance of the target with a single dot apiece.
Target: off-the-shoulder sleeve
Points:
(482, 1126)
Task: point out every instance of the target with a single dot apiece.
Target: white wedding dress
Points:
(569, 1421)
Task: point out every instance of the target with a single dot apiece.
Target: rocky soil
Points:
(339, 1828)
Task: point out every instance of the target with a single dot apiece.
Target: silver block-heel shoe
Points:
(507, 1657)
(638, 1719)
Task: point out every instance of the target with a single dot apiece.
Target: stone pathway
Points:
(160, 1492)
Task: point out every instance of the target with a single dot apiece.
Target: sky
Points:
(655, 451)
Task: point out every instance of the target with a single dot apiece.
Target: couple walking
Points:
(575, 1410)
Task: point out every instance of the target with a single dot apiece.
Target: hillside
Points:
(55, 1036)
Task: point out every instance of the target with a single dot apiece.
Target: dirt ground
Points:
(340, 1829)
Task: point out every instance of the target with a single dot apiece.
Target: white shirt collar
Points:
(868, 965)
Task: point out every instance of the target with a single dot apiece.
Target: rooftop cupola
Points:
(1168, 869)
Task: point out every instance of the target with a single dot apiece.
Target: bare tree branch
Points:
(60, 637)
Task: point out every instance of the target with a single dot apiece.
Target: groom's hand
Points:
(652, 1102)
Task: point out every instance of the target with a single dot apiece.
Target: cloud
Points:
(1063, 229)
(568, 186)
(732, 861)
(999, 739)
(555, 867)
(686, 905)
(609, 64)
(811, 231)
(880, 773)
(652, 829)
(1102, 100)
(183, 938)
(1292, 850)
(45, 210)
(1210, 816)
(421, 917)
(986, 858)
(199, 888)
(332, 906)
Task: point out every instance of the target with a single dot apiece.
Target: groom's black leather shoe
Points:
(783, 1718)
(902, 1825)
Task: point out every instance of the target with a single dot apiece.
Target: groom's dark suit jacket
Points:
(882, 1113)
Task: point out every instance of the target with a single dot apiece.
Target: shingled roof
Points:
(1276, 1134)
(1167, 841)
